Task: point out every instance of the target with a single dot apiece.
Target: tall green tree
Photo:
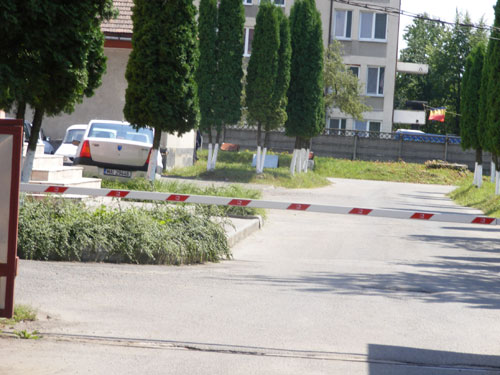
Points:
(342, 88)
(206, 76)
(263, 68)
(422, 38)
(444, 49)
(492, 103)
(161, 90)
(280, 98)
(470, 128)
(54, 58)
(305, 94)
(230, 46)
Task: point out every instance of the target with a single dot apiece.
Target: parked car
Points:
(72, 139)
(115, 149)
(47, 147)
(420, 136)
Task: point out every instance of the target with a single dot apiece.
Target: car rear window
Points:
(74, 135)
(120, 131)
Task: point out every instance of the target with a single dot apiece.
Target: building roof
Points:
(123, 23)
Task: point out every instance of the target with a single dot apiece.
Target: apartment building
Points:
(368, 31)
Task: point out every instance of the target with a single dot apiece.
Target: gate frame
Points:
(9, 270)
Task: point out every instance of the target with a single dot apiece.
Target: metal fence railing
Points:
(424, 138)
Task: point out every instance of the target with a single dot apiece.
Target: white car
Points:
(72, 139)
(116, 149)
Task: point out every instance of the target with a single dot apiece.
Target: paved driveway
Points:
(308, 294)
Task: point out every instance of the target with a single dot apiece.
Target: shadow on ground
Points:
(412, 361)
(471, 280)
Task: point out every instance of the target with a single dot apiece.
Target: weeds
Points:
(61, 230)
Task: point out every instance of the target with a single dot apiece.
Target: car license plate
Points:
(117, 173)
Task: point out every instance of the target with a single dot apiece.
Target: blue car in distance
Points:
(419, 136)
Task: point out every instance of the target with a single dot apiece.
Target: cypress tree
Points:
(492, 100)
(161, 90)
(283, 75)
(263, 68)
(230, 45)
(470, 130)
(305, 108)
(207, 68)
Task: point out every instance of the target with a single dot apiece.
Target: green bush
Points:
(61, 230)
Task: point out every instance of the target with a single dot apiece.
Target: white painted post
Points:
(480, 176)
(263, 161)
(306, 161)
(257, 160)
(493, 171)
(497, 186)
(474, 180)
(209, 160)
(298, 165)
(28, 166)
(294, 160)
(214, 156)
(151, 173)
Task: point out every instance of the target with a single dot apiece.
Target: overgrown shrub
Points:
(61, 230)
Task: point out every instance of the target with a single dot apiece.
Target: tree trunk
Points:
(259, 134)
(210, 135)
(153, 157)
(267, 140)
(33, 141)
(21, 110)
(217, 136)
(479, 156)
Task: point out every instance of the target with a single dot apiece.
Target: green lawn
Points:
(236, 167)
(484, 198)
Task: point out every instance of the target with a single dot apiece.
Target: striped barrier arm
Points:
(225, 201)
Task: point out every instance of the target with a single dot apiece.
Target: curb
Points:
(241, 228)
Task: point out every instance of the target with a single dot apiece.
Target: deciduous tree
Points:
(52, 56)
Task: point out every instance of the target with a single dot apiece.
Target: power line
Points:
(399, 12)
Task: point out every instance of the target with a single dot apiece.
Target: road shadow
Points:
(472, 280)
(398, 360)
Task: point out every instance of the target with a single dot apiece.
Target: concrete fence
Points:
(369, 146)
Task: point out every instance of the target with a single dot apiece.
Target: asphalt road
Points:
(308, 294)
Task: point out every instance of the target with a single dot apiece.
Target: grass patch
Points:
(389, 171)
(484, 199)
(61, 230)
(236, 167)
(233, 191)
(22, 313)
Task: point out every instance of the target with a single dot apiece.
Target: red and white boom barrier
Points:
(223, 201)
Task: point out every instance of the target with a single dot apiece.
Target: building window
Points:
(373, 26)
(354, 70)
(343, 24)
(375, 81)
(371, 126)
(280, 3)
(248, 41)
(247, 2)
(336, 125)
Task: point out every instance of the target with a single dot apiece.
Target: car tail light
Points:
(85, 151)
(149, 156)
